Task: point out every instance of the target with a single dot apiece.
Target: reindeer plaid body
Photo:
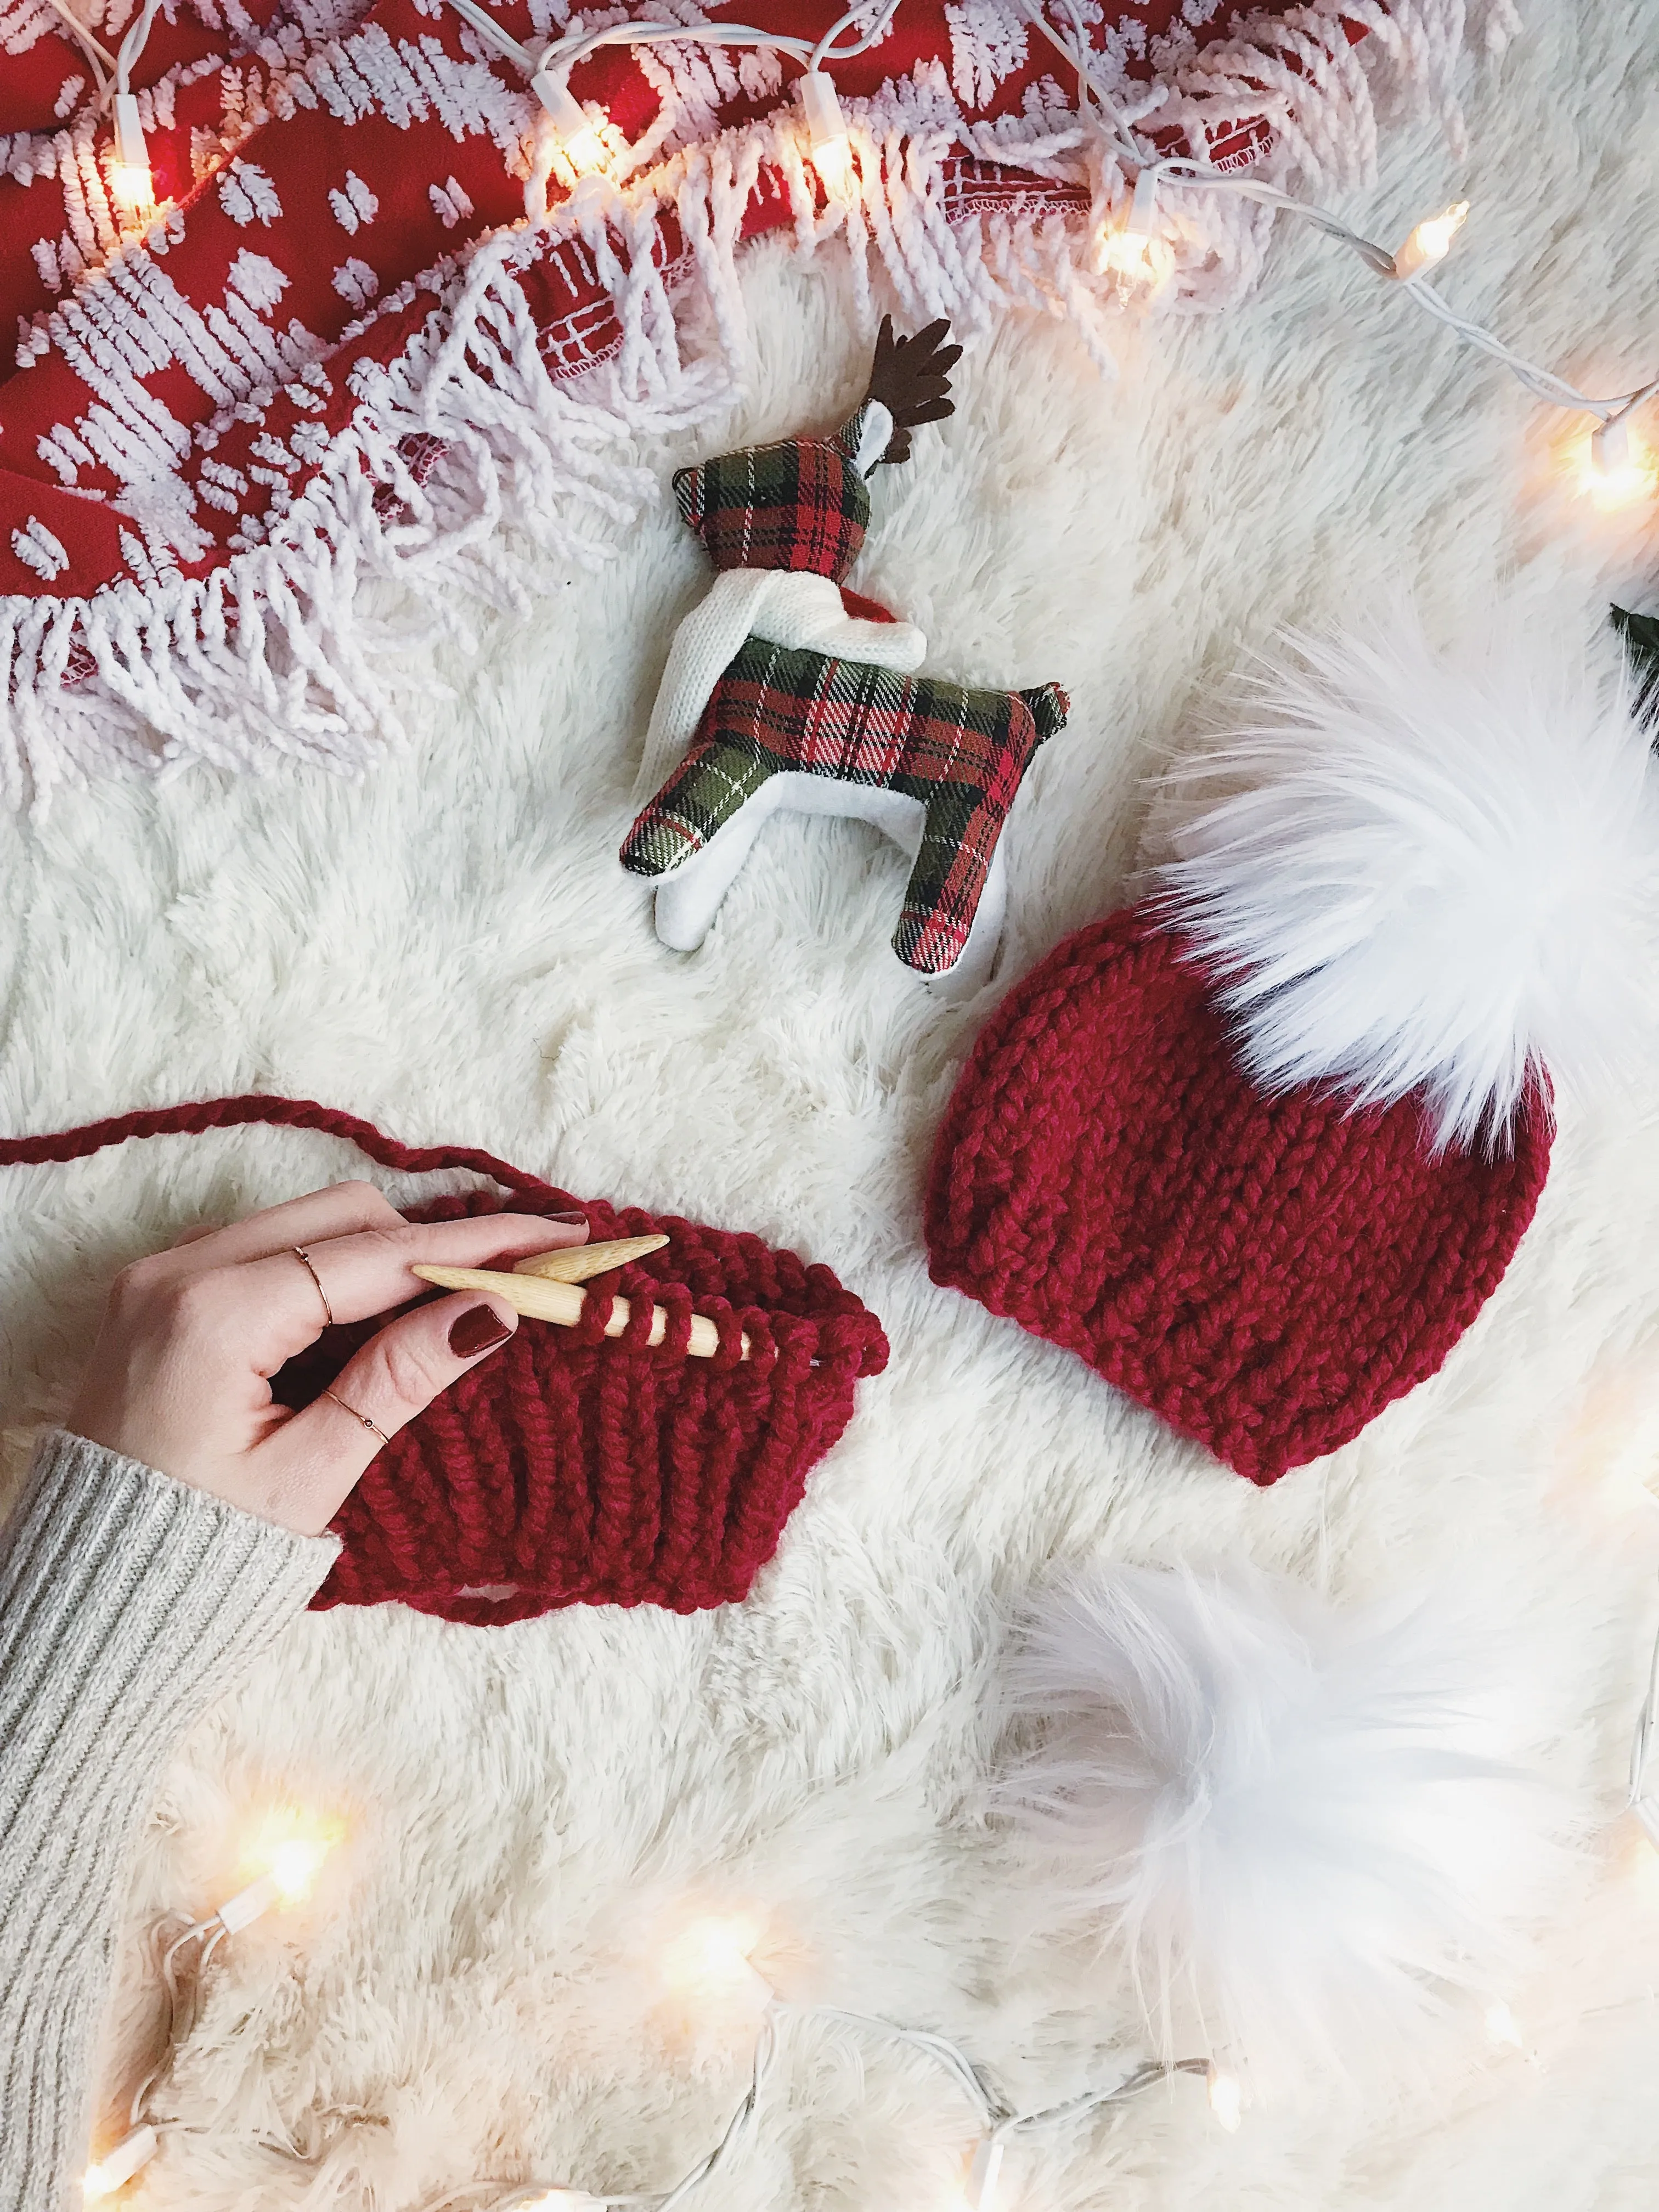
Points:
(961, 752)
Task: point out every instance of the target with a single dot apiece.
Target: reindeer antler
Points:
(911, 378)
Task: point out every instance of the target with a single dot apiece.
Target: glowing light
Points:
(1501, 2028)
(295, 1865)
(826, 134)
(117, 2168)
(289, 1851)
(1615, 470)
(1226, 2098)
(290, 1845)
(1429, 242)
(578, 140)
(833, 162)
(1129, 254)
(710, 1960)
(1136, 254)
(131, 187)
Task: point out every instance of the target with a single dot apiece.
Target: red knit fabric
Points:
(1266, 1273)
(567, 1468)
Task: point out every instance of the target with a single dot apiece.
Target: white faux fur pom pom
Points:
(1300, 1830)
(1428, 873)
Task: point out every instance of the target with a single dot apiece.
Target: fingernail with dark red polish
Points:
(580, 1219)
(475, 1331)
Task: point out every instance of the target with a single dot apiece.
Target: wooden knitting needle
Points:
(575, 1263)
(538, 1300)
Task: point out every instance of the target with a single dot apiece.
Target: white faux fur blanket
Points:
(450, 948)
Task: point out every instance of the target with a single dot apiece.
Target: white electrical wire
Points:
(103, 62)
(996, 2121)
(127, 53)
(1187, 172)
(564, 53)
(1184, 172)
(1542, 383)
(1076, 51)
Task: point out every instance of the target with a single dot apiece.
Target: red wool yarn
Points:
(1265, 1272)
(569, 1468)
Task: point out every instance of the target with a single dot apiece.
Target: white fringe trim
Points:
(276, 657)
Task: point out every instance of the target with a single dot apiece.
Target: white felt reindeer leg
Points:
(688, 898)
(974, 964)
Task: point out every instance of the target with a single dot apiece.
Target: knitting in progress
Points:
(783, 690)
(1261, 1148)
(574, 1467)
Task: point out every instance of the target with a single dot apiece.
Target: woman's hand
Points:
(179, 1375)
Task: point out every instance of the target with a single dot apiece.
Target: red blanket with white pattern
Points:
(343, 347)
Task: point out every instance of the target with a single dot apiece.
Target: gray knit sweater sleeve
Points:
(128, 1604)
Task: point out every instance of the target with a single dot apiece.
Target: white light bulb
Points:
(248, 1905)
(1613, 469)
(1226, 2097)
(1429, 242)
(1610, 447)
(710, 1960)
(294, 1864)
(982, 2191)
(131, 183)
(290, 1863)
(118, 2167)
(826, 134)
(579, 142)
(1137, 251)
(1501, 2028)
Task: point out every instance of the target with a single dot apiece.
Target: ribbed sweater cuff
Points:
(128, 1603)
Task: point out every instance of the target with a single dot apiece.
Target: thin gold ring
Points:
(356, 1416)
(304, 1259)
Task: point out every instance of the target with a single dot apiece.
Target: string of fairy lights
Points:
(1132, 244)
(288, 1863)
(1137, 249)
(712, 1963)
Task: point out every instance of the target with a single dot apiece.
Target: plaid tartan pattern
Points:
(799, 505)
(963, 753)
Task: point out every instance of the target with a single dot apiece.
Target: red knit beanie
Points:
(1265, 1272)
(1260, 1149)
(570, 1467)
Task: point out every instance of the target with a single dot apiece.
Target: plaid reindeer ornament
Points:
(785, 689)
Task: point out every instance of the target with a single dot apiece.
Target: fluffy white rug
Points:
(535, 1813)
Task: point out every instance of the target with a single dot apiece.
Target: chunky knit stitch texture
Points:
(1266, 1273)
(569, 1468)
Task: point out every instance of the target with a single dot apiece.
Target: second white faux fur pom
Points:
(1302, 1830)
(1428, 873)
